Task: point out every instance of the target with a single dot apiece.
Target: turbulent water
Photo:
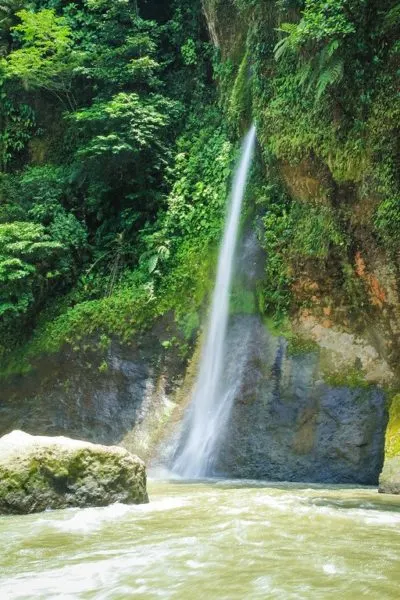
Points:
(219, 540)
(210, 407)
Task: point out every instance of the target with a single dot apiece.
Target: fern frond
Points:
(288, 27)
(281, 48)
(332, 47)
(327, 54)
(288, 43)
(392, 18)
(305, 73)
(332, 74)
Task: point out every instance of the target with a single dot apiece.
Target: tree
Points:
(124, 154)
(27, 259)
(45, 59)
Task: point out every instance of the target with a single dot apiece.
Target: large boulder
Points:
(39, 473)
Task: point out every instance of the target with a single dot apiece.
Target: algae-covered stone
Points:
(39, 473)
(389, 480)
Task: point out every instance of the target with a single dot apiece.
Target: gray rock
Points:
(39, 473)
(124, 404)
(287, 424)
(389, 480)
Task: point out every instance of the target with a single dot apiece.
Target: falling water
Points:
(212, 401)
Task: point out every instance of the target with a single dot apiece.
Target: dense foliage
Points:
(116, 149)
(324, 79)
(105, 179)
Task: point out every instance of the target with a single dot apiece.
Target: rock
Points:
(127, 404)
(39, 473)
(288, 424)
(389, 480)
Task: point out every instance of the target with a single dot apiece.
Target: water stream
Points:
(212, 400)
(223, 540)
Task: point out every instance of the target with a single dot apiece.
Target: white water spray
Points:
(211, 404)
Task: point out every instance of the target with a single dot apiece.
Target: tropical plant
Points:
(28, 258)
(44, 59)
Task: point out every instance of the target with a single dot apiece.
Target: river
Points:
(210, 540)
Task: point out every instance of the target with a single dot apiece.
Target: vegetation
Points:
(324, 81)
(116, 147)
(114, 170)
(352, 378)
(392, 446)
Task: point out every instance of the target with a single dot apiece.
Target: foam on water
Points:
(90, 520)
(329, 569)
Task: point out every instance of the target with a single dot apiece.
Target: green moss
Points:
(299, 345)
(278, 328)
(352, 378)
(239, 109)
(296, 344)
(125, 313)
(392, 444)
(242, 302)
(189, 324)
(103, 367)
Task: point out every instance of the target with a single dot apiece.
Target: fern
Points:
(288, 43)
(306, 73)
(330, 50)
(332, 73)
(319, 72)
(392, 18)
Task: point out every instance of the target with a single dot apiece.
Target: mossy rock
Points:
(40, 473)
(389, 480)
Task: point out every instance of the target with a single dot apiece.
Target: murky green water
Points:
(210, 540)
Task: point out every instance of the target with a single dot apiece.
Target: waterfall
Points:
(212, 398)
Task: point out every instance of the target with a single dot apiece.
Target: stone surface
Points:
(39, 473)
(123, 395)
(288, 424)
(346, 349)
(389, 480)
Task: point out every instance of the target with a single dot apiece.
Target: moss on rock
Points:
(389, 480)
(39, 473)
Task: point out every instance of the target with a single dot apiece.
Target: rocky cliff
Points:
(300, 413)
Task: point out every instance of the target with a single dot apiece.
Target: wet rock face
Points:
(287, 424)
(121, 396)
(40, 473)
